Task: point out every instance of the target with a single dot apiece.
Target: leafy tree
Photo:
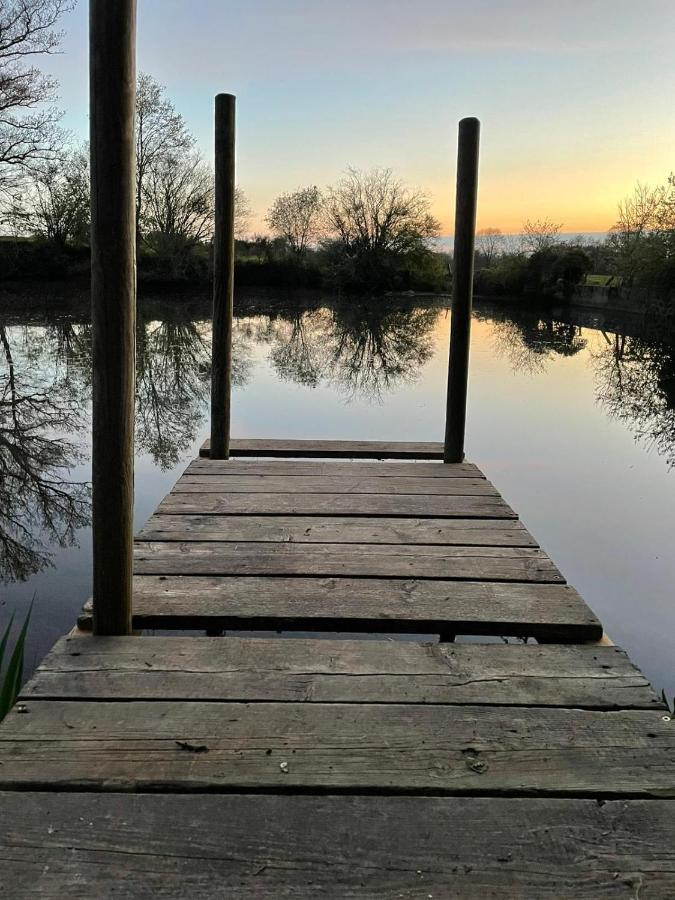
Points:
(297, 218)
(28, 120)
(643, 238)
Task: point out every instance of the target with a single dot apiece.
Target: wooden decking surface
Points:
(302, 767)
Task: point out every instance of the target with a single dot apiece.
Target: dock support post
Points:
(462, 288)
(223, 277)
(112, 49)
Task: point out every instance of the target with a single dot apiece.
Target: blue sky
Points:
(576, 98)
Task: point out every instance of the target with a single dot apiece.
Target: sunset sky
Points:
(576, 98)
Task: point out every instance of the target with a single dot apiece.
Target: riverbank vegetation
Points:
(637, 256)
(367, 232)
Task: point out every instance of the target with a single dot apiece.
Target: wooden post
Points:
(112, 38)
(223, 278)
(462, 288)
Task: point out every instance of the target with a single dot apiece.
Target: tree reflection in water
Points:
(360, 349)
(39, 503)
(529, 341)
(634, 373)
(636, 385)
(355, 348)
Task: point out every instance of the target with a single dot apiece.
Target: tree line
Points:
(367, 230)
(638, 252)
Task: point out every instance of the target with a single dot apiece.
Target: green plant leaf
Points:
(12, 680)
(5, 638)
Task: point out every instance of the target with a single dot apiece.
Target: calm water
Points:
(573, 421)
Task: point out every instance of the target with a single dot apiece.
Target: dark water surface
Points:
(573, 420)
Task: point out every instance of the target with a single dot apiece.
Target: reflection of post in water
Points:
(173, 368)
(363, 348)
(39, 505)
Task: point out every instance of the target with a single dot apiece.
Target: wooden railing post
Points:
(112, 49)
(223, 277)
(462, 288)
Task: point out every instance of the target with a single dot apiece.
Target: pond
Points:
(572, 417)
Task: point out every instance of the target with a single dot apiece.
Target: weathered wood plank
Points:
(403, 505)
(333, 484)
(179, 668)
(322, 449)
(368, 605)
(338, 530)
(272, 846)
(355, 560)
(267, 847)
(202, 746)
(306, 469)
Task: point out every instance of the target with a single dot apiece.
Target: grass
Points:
(11, 681)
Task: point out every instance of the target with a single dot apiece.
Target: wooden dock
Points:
(270, 766)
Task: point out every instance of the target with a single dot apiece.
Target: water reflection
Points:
(636, 385)
(358, 350)
(45, 389)
(40, 505)
(633, 367)
(529, 341)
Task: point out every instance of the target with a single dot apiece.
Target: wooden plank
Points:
(404, 505)
(209, 746)
(329, 671)
(360, 560)
(336, 530)
(321, 449)
(272, 846)
(308, 469)
(363, 605)
(333, 484)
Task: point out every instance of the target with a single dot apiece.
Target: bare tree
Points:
(540, 234)
(161, 135)
(297, 217)
(56, 206)
(489, 244)
(374, 211)
(28, 126)
(643, 237)
(178, 198)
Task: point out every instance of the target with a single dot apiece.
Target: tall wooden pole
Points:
(462, 288)
(223, 278)
(112, 39)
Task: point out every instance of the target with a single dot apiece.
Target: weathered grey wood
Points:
(272, 846)
(112, 43)
(180, 668)
(345, 530)
(462, 287)
(327, 484)
(321, 449)
(368, 604)
(192, 745)
(403, 505)
(223, 276)
(304, 468)
(360, 560)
